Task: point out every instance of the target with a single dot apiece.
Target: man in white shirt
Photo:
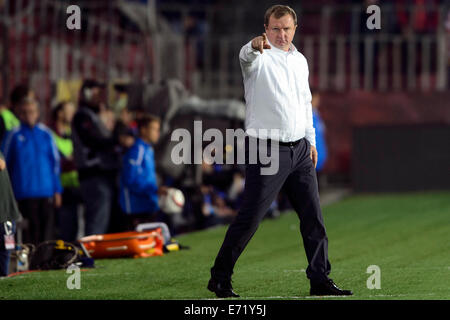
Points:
(278, 98)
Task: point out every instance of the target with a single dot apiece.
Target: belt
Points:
(289, 144)
(281, 143)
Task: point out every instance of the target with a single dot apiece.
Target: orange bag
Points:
(125, 244)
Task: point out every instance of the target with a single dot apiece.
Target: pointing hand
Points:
(260, 43)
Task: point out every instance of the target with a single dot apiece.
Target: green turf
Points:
(406, 235)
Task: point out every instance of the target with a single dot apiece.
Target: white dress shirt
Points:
(277, 93)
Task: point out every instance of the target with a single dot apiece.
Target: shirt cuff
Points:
(311, 137)
(250, 53)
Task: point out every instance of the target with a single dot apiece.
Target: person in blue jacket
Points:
(319, 125)
(138, 184)
(34, 167)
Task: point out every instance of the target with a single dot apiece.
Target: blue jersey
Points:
(138, 186)
(33, 162)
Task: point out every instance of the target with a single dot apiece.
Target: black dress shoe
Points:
(222, 289)
(328, 288)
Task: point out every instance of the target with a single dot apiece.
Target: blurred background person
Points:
(34, 166)
(217, 180)
(215, 208)
(67, 215)
(321, 143)
(96, 157)
(138, 183)
(9, 214)
(124, 129)
(8, 116)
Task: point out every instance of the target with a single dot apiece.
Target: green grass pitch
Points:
(406, 235)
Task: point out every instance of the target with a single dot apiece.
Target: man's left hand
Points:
(2, 164)
(314, 155)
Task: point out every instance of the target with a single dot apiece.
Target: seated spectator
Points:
(138, 184)
(214, 208)
(34, 166)
(217, 208)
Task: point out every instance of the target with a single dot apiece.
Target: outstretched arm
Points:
(252, 50)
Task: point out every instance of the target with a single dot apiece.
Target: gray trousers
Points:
(298, 176)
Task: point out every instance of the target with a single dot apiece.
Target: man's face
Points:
(280, 32)
(29, 113)
(151, 132)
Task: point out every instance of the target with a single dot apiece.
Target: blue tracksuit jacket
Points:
(321, 144)
(138, 185)
(33, 162)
